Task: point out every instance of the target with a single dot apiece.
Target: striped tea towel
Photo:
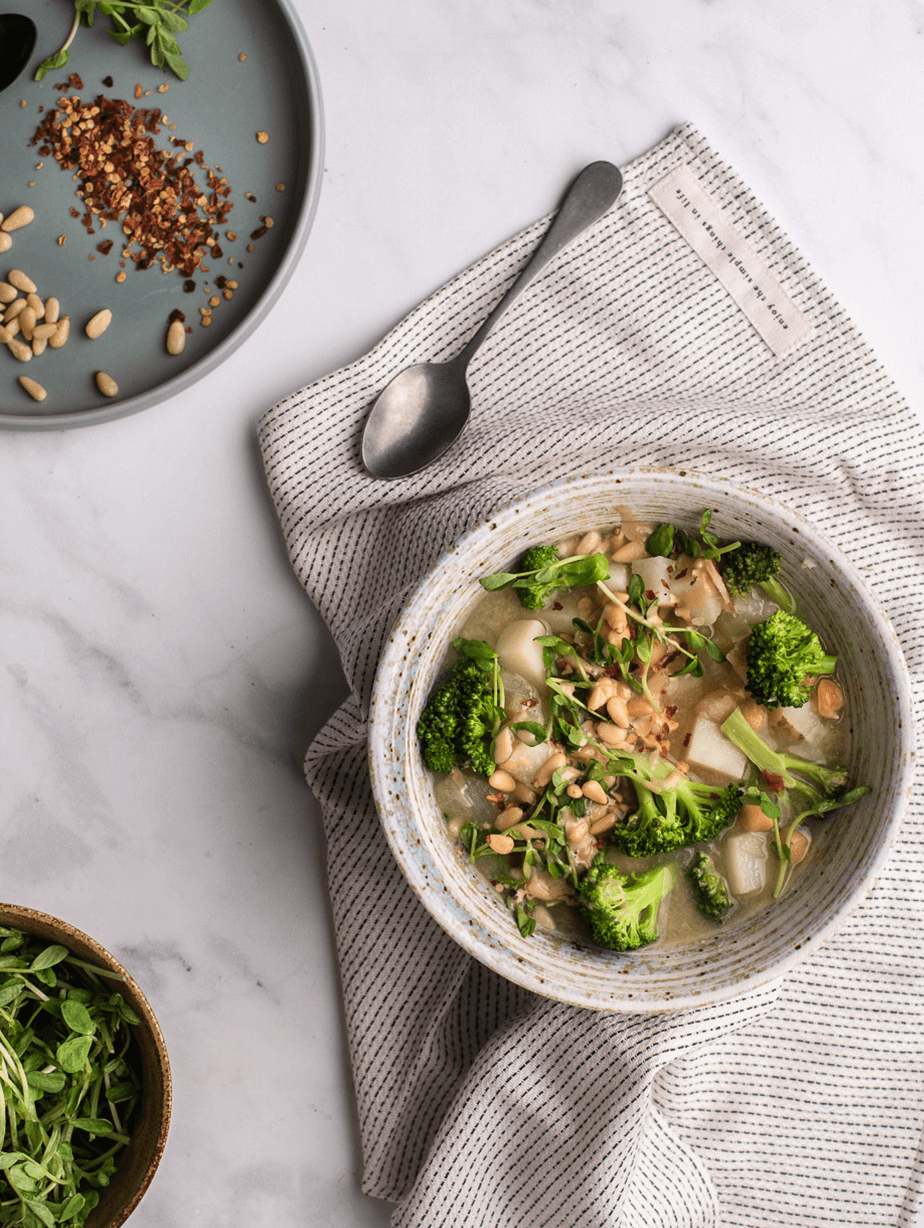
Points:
(682, 330)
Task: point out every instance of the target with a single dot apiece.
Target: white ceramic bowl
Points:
(739, 956)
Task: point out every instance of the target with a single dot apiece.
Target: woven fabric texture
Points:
(479, 1104)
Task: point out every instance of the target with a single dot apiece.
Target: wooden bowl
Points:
(140, 1159)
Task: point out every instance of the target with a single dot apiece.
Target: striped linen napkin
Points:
(682, 330)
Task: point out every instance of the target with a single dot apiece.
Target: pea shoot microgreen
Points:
(155, 22)
(71, 1084)
(668, 537)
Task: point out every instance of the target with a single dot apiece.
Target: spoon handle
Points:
(593, 192)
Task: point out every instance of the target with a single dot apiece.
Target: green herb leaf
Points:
(48, 958)
(77, 1017)
(42, 1211)
(72, 1053)
(46, 1081)
(661, 542)
(74, 1205)
(93, 1125)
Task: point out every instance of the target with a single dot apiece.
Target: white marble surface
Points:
(162, 670)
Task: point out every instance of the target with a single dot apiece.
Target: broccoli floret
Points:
(538, 559)
(780, 770)
(753, 563)
(671, 816)
(462, 716)
(622, 909)
(781, 654)
(710, 891)
(542, 573)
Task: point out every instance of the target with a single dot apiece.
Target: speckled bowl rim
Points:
(450, 889)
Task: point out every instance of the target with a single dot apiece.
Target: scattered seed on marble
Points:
(262, 137)
(176, 337)
(33, 387)
(19, 279)
(106, 384)
(98, 325)
(17, 219)
(120, 276)
(62, 239)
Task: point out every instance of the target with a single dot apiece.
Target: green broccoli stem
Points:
(750, 743)
(827, 665)
(780, 594)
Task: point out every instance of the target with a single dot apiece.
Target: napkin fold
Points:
(684, 329)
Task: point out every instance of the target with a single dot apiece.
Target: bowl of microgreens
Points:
(642, 740)
(87, 1090)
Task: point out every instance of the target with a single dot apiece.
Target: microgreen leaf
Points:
(77, 1017)
(92, 1125)
(155, 23)
(661, 542)
(47, 958)
(72, 1053)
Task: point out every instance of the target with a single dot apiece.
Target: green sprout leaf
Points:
(155, 24)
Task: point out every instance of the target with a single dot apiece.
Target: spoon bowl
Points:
(405, 434)
(424, 409)
(17, 42)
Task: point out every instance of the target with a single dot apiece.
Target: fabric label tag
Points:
(743, 273)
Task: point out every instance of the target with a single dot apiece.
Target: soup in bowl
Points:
(628, 751)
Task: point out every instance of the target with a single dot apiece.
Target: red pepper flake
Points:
(108, 82)
(105, 247)
(124, 177)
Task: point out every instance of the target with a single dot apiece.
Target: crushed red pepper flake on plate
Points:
(123, 175)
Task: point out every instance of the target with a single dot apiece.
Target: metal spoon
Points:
(17, 39)
(425, 407)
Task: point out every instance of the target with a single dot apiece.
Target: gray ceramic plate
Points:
(221, 107)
